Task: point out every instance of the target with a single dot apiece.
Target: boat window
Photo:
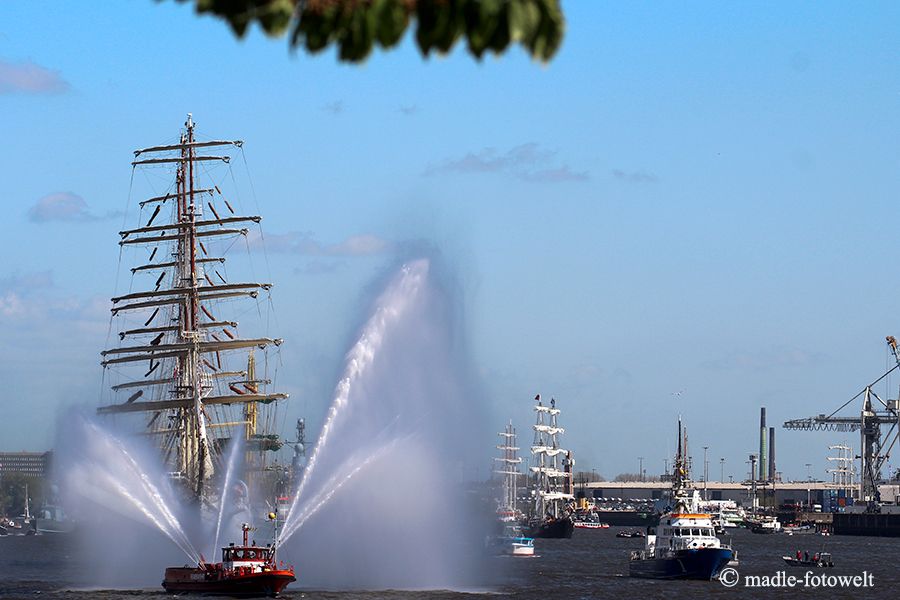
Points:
(251, 554)
(695, 532)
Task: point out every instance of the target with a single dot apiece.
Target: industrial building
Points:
(31, 464)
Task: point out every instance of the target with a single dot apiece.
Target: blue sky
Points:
(697, 197)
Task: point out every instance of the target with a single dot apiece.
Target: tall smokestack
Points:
(771, 453)
(763, 455)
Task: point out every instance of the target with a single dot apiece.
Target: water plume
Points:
(380, 491)
(107, 473)
(226, 498)
(382, 488)
(341, 477)
(390, 307)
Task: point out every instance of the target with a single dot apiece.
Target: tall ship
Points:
(684, 544)
(182, 371)
(509, 537)
(552, 467)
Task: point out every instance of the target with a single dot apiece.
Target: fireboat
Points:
(246, 571)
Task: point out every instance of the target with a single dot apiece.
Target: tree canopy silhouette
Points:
(355, 27)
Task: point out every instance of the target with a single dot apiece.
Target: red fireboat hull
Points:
(186, 580)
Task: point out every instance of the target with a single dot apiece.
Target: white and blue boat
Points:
(684, 544)
(512, 542)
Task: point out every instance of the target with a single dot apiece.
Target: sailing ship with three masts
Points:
(552, 467)
(510, 538)
(181, 363)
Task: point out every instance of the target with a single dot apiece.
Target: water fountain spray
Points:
(390, 308)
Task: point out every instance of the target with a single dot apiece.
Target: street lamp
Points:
(808, 479)
(641, 467)
(705, 473)
(705, 465)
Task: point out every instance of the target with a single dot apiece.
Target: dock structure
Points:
(792, 492)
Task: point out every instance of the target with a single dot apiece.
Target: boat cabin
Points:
(247, 557)
(252, 558)
(683, 531)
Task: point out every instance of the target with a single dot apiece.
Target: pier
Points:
(791, 492)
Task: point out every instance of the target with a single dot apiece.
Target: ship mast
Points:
(195, 441)
(549, 492)
(508, 468)
(681, 473)
(180, 339)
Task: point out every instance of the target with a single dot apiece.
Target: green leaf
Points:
(357, 35)
(356, 25)
(392, 20)
(426, 15)
(275, 17)
(524, 19)
(481, 18)
(501, 36)
(450, 26)
(315, 29)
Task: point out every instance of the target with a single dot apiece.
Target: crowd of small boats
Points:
(681, 533)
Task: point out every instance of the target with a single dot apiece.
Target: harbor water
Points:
(593, 564)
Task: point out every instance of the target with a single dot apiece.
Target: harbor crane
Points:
(875, 444)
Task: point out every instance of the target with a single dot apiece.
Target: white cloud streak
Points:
(66, 207)
(528, 162)
(303, 243)
(27, 77)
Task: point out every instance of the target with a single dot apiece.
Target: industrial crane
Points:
(876, 445)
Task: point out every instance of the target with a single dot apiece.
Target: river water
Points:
(593, 564)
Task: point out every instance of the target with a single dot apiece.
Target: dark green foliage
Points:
(356, 26)
(12, 493)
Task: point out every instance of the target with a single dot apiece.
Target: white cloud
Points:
(634, 176)
(303, 243)
(64, 206)
(29, 78)
(527, 161)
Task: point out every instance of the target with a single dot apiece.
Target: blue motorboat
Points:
(684, 544)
